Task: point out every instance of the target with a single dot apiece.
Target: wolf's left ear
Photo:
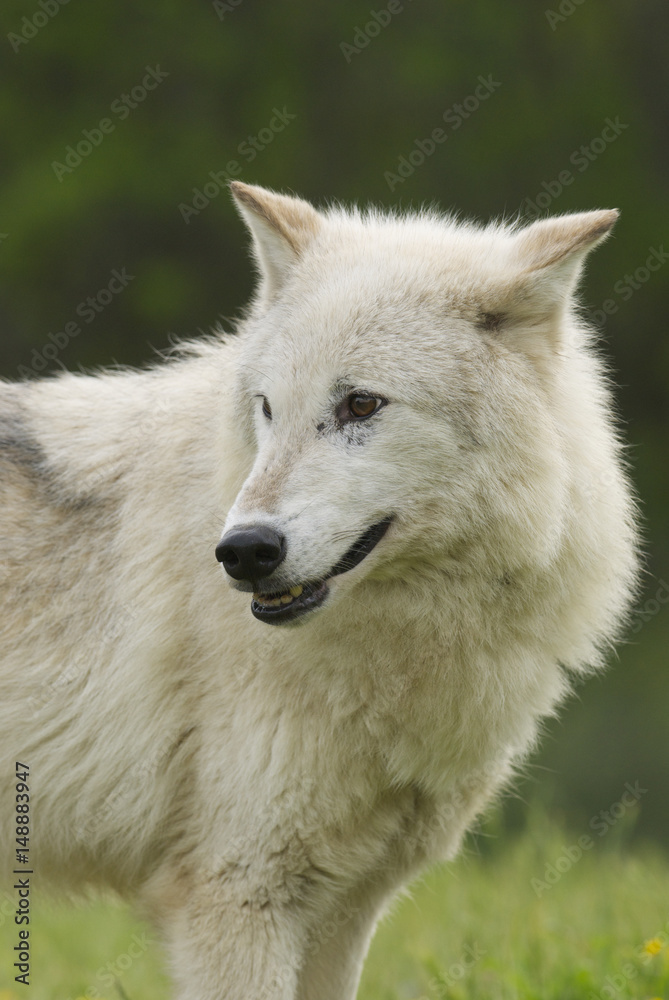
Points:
(282, 228)
(549, 254)
(543, 266)
(562, 242)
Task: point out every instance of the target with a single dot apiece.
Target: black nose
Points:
(251, 553)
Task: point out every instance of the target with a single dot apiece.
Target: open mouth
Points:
(278, 608)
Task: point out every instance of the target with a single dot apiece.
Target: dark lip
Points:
(361, 548)
(314, 594)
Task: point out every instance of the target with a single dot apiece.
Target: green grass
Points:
(580, 939)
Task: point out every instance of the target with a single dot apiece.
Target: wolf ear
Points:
(545, 261)
(281, 227)
(561, 243)
(548, 256)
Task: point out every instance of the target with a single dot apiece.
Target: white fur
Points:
(250, 785)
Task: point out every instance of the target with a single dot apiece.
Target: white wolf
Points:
(407, 447)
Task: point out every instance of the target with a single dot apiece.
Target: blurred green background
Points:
(121, 122)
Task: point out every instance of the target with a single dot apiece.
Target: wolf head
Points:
(414, 391)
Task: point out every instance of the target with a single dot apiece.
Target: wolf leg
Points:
(337, 947)
(225, 955)
(228, 943)
(221, 946)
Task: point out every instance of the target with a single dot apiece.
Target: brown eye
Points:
(266, 408)
(363, 406)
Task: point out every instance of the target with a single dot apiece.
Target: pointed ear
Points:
(541, 273)
(281, 227)
(549, 254)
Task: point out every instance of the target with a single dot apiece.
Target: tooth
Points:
(264, 599)
(273, 602)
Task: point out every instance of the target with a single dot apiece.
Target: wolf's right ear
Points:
(282, 228)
